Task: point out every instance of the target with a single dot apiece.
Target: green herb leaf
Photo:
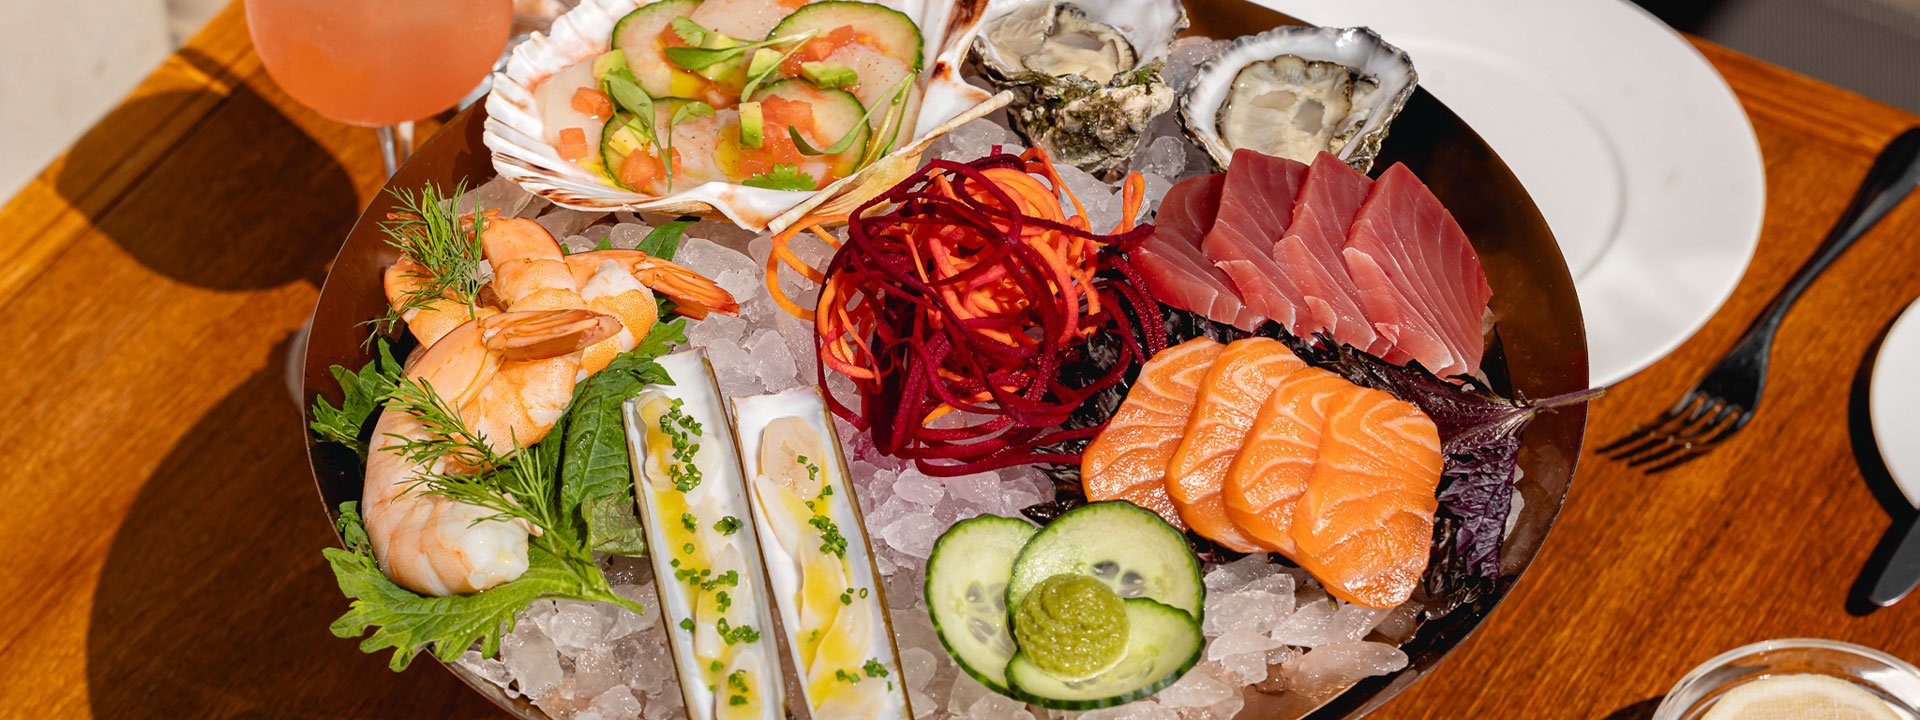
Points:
(689, 111)
(782, 177)
(627, 94)
(428, 229)
(697, 58)
(663, 241)
(890, 128)
(829, 75)
(606, 243)
(690, 32)
(596, 475)
(409, 624)
(360, 396)
(846, 141)
(765, 63)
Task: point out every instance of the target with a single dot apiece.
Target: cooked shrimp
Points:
(425, 542)
(527, 397)
(614, 291)
(693, 294)
(428, 321)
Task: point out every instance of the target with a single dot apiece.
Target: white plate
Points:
(1634, 148)
(1891, 399)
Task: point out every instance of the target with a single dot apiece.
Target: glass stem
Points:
(396, 144)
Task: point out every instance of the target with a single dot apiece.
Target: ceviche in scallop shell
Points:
(992, 437)
(758, 111)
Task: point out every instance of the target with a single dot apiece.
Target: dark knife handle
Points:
(1902, 572)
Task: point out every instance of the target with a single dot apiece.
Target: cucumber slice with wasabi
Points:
(1121, 544)
(967, 576)
(1163, 643)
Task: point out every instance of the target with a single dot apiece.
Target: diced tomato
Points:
(573, 144)
(823, 45)
(640, 169)
(594, 103)
(779, 112)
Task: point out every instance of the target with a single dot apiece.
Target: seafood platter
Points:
(912, 359)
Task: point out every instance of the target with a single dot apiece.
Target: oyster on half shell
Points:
(1295, 91)
(1085, 76)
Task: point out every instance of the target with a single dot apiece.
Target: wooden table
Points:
(159, 551)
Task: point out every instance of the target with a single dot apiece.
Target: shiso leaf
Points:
(361, 394)
(595, 475)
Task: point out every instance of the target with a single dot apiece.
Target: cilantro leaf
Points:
(361, 395)
(596, 475)
(690, 32)
(782, 177)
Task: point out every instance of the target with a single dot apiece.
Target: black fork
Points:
(1724, 401)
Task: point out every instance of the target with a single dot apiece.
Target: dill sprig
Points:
(429, 230)
(461, 466)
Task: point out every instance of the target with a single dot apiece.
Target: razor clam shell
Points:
(1096, 127)
(515, 128)
(692, 373)
(1359, 48)
(750, 416)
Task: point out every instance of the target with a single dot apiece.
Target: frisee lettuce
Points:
(361, 394)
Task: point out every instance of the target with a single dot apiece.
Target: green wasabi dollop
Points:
(1071, 626)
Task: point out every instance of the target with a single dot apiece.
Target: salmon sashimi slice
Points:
(1230, 396)
(1364, 526)
(1419, 278)
(1256, 205)
(1172, 265)
(1128, 459)
(1330, 197)
(1267, 478)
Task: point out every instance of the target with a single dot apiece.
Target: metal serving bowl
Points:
(1541, 349)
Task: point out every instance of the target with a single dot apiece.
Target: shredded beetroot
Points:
(955, 313)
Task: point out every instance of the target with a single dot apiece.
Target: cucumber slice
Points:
(1163, 643)
(966, 582)
(617, 140)
(890, 30)
(638, 36)
(835, 113)
(1129, 548)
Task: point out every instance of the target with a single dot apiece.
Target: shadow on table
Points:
(229, 526)
(201, 214)
(1642, 710)
(1866, 453)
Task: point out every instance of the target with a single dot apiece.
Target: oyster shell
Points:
(1295, 91)
(1085, 76)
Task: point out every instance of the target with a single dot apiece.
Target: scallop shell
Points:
(1360, 49)
(1094, 126)
(515, 129)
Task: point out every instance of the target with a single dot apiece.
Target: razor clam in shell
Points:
(1085, 76)
(1295, 91)
(516, 128)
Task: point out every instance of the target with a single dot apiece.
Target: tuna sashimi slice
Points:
(1330, 197)
(1256, 205)
(1419, 280)
(1230, 397)
(1171, 263)
(1128, 459)
(1364, 525)
(1270, 473)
